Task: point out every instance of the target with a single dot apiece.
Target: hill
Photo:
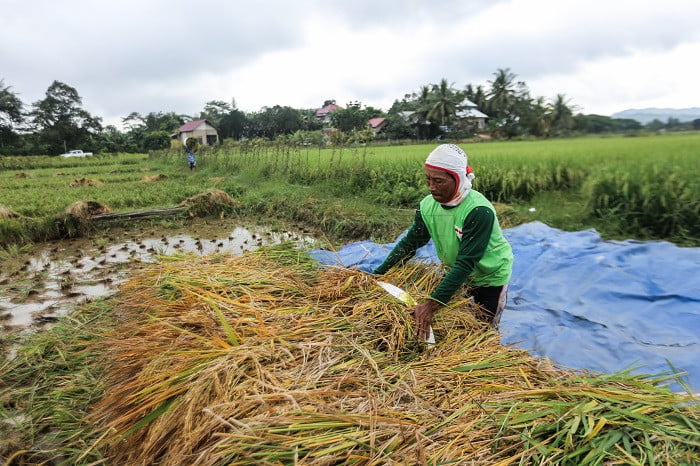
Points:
(646, 115)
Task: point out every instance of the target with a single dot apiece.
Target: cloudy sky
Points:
(173, 55)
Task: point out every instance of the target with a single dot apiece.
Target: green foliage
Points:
(656, 201)
(598, 124)
(443, 104)
(156, 140)
(398, 127)
(11, 115)
(352, 118)
(641, 187)
(61, 121)
(273, 121)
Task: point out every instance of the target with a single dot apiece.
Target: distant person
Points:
(191, 159)
(463, 225)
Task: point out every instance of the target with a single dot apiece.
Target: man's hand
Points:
(423, 316)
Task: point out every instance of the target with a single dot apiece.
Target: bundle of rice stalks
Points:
(212, 201)
(6, 212)
(265, 359)
(152, 178)
(85, 182)
(84, 210)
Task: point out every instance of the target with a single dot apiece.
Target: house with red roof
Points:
(202, 130)
(377, 124)
(323, 113)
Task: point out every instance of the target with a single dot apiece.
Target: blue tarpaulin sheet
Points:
(587, 303)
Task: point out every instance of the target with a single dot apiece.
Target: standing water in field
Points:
(52, 279)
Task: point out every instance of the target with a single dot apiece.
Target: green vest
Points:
(445, 227)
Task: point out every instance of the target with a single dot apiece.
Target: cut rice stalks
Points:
(267, 359)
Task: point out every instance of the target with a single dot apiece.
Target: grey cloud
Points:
(562, 50)
(93, 46)
(365, 13)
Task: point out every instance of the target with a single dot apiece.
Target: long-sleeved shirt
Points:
(475, 239)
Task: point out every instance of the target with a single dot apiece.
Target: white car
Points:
(76, 153)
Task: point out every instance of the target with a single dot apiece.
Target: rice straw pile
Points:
(6, 212)
(152, 178)
(266, 359)
(85, 182)
(210, 202)
(84, 210)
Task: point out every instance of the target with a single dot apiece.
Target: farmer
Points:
(191, 159)
(467, 236)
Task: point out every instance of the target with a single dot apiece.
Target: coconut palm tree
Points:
(501, 97)
(419, 117)
(560, 115)
(443, 105)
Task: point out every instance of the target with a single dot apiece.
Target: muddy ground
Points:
(40, 285)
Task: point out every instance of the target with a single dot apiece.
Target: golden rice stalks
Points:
(85, 182)
(152, 178)
(266, 359)
(83, 210)
(211, 199)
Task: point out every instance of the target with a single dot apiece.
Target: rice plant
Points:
(265, 358)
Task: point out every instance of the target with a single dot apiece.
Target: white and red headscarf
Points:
(453, 160)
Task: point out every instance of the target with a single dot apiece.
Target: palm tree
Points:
(419, 117)
(560, 115)
(443, 106)
(477, 96)
(502, 95)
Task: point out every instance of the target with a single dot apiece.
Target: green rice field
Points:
(626, 187)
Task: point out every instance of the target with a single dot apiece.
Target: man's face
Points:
(441, 184)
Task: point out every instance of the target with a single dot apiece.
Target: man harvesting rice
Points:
(463, 225)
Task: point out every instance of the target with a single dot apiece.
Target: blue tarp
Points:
(586, 303)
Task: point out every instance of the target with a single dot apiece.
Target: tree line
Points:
(58, 122)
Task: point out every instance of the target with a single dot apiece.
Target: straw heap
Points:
(266, 359)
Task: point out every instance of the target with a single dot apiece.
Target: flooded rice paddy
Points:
(39, 286)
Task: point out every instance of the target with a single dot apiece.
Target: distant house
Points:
(323, 113)
(469, 111)
(377, 124)
(202, 130)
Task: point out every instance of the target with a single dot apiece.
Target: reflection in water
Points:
(64, 274)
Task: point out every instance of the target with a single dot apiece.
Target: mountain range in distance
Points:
(647, 115)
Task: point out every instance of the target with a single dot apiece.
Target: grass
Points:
(48, 387)
(641, 188)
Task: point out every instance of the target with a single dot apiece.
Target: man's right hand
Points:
(423, 317)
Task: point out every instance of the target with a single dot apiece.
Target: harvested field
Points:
(264, 358)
